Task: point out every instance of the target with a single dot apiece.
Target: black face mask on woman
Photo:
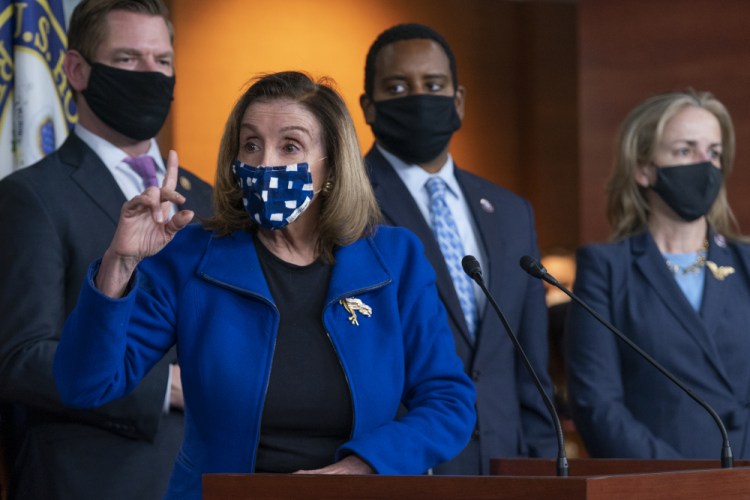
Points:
(416, 128)
(689, 190)
(134, 103)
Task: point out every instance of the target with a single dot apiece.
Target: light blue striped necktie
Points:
(446, 233)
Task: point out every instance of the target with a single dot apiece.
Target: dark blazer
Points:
(622, 406)
(55, 218)
(512, 420)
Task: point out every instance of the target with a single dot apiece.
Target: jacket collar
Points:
(359, 266)
(650, 262)
(715, 294)
(491, 237)
(92, 176)
(394, 198)
(400, 209)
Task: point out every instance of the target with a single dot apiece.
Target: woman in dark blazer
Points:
(675, 281)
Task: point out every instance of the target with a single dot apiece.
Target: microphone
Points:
(474, 270)
(535, 269)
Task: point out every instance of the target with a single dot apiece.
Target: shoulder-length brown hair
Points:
(628, 208)
(348, 210)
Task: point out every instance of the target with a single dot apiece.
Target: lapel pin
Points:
(720, 240)
(185, 183)
(486, 205)
(354, 305)
(719, 272)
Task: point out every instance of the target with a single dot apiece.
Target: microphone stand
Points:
(472, 268)
(535, 269)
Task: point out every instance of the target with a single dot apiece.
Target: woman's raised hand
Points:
(144, 228)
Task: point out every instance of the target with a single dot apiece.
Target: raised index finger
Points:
(170, 181)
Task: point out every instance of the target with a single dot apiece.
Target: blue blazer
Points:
(208, 296)
(622, 406)
(512, 420)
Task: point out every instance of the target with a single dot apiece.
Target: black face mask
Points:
(689, 190)
(416, 128)
(134, 103)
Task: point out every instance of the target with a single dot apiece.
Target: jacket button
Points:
(475, 375)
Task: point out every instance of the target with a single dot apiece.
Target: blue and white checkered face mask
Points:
(274, 196)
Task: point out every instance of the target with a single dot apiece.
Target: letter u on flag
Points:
(36, 104)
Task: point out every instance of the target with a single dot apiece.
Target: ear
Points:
(460, 101)
(77, 70)
(368, 108)
(643, 175)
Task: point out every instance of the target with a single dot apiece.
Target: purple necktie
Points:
(144, 166)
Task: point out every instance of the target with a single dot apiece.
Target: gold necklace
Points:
(696, 266)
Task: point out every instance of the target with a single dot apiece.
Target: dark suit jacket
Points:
(56, 217)
(512, 420)
(622, 406)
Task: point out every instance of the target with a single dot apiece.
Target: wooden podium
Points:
(521, 479)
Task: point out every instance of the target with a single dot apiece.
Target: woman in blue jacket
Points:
(300, 324)
(675, 280)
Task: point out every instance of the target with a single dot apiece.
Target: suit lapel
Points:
(92, 176)
(717, 297)
(396, 201)
(237, 247)
(400, 209)
(184, 187)
(650, 262)
(489, 237)
(715, 294)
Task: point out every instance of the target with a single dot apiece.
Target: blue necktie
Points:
(145, 167)
(446, 233)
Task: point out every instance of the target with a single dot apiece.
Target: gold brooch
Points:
(352, 305)
(719, 272)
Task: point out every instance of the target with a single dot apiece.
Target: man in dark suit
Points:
(414, 104)
(56, 217)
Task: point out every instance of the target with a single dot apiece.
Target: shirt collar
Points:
(415, 175)
(111, 155)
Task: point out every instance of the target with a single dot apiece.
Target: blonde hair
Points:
(628, 208)
(349, 210)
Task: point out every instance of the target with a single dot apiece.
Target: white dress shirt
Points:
(415, 177)
(131, 184)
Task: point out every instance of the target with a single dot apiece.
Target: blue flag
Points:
(36, 104)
